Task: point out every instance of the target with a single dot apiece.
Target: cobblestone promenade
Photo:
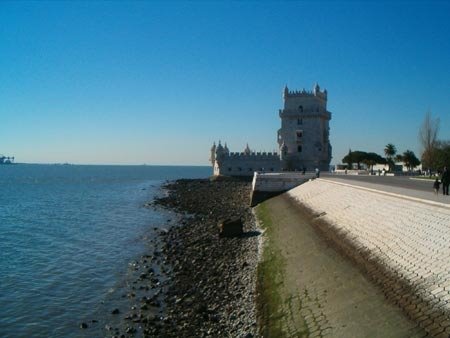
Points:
(403, 244)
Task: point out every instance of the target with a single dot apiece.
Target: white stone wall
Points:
(239, 164)
(309, 102)
(273, 182)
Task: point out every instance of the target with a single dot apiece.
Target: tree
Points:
(390, 151)
(372, 158)
(348, 159)
(410, 159)
(428, 138)
(442, 155)
(359, 157)
(398, 158)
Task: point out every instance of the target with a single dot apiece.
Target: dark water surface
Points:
(67, 234)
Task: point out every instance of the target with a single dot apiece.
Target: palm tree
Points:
(398, 158)
(390, 151)
(410, 159)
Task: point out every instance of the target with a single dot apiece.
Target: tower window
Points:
(299, 149)
(299, 121)
(299, 134)
(300, 109)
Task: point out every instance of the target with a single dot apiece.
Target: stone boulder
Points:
(231, 228)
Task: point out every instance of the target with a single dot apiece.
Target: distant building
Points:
(6, 160)
(303, 139)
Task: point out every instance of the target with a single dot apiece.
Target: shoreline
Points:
(213, 280)
(193, 283)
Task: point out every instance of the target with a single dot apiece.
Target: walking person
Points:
(445, 179)
(436, 185)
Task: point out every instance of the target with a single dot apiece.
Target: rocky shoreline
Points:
(192, 283)
(212, 287)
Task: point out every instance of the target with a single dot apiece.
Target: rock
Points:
(83, 326)
(231, 228)
(115, 312)
(130, 330)
(208, 280)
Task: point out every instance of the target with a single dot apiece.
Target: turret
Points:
(285, 91)
(225, 149)
(220, 152)
(316, 89)
(212, 159)
(247, 150)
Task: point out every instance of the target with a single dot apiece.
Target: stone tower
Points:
(303, 138)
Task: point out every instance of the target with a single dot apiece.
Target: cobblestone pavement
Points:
(403, 244)
(322, 294)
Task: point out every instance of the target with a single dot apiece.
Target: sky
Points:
(159, 82)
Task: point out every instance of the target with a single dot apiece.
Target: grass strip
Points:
(270, 275)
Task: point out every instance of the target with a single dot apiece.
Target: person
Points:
(436, 185)
(445, 179)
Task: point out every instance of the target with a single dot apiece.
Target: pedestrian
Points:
(445, 179)
(436, 185)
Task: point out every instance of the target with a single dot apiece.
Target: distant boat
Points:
(6, 160)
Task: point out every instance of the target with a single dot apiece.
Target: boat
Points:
(6, 159)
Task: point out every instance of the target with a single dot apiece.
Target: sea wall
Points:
(266, 185)
(402, 243)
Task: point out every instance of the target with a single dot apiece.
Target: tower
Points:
(305, 129)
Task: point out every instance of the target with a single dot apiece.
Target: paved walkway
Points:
(400, 240)
(323, 294)
(416, 188)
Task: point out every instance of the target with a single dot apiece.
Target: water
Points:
(67, 234)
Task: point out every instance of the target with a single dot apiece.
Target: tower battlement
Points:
(242, 163)
(316, 92)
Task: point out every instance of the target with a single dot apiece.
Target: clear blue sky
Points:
(157, 82)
